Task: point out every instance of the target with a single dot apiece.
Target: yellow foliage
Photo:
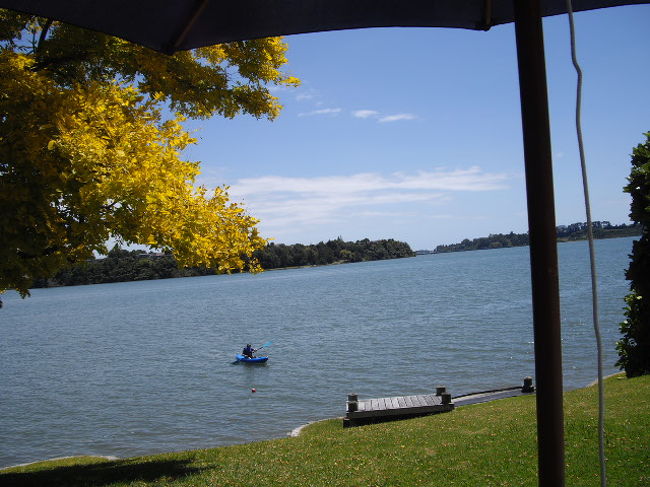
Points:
(84, 157)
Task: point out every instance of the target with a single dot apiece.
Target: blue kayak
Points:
(254, 360)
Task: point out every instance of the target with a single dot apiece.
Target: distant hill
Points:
(565, 233)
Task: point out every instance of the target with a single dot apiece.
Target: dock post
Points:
(446, 398)
(528, 385)
(353, 403)
(440, 390)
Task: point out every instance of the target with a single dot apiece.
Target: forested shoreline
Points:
(122, 265)
(565, 233)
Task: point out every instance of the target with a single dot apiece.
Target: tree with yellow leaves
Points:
(86, 154)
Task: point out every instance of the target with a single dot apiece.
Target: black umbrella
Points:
(170, 25)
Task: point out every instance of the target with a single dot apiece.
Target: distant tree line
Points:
(575, 231)
(275, 256)
(120, 266)
(135, 265)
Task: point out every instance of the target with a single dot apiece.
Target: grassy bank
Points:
(481, 445)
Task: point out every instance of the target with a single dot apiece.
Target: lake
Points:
(146, 367)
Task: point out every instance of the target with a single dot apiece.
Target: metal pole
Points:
(543, 245)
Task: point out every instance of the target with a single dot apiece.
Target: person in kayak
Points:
(248, 351)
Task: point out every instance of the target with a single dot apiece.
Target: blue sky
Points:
(415, 134)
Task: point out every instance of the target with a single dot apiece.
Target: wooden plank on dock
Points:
(397, 407)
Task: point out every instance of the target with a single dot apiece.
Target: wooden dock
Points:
(366, 411)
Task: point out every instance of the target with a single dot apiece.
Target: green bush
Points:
(634, 347)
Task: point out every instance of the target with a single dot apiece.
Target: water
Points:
(145, 367)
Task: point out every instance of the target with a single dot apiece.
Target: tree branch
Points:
(41, 38)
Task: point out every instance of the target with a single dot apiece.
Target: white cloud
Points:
(280, 213)
(278, 88)
(365, 113)
(281, 202)
(471, 179)
(307, 94)
(322, 111)
(397, 117)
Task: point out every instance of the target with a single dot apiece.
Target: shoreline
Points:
(595, 381)
(465, 400)
(106, 457)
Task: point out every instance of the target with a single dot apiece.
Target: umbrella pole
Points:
(543, 241)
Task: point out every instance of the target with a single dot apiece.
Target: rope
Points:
(592, 256)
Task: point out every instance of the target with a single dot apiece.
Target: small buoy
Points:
(253, 390)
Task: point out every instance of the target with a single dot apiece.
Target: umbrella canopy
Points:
(171, 25)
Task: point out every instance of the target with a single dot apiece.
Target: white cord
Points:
(592, 257)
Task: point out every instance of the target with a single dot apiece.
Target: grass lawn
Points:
(481, 445)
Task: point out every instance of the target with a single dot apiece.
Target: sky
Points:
(415, 133)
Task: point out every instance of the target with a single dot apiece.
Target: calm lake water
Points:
(145, 367)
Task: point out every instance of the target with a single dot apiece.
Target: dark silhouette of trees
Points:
(135, 265)
(575, 231)
(334, 251)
